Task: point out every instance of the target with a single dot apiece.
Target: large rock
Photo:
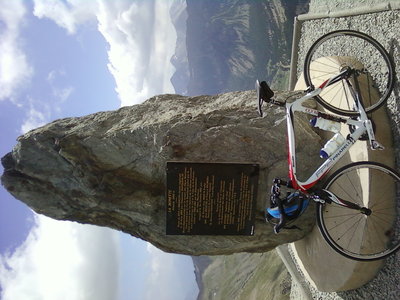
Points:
(108, 168)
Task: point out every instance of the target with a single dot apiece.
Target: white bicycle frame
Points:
(362, 125)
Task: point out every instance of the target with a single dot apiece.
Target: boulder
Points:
(109, 168)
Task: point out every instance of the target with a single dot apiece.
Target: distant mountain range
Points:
(242, 276)
(200, 264)
(226, 45)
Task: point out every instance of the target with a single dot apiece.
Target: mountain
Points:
(180, 79)
(242, 276)
(200, 264)
(230, 43)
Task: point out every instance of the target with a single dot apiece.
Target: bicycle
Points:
(350, 214)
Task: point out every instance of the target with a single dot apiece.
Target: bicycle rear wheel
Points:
(352, 233)
(340, 49)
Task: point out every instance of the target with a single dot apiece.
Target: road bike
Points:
(358, 208)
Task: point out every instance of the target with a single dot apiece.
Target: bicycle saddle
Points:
(264, 94)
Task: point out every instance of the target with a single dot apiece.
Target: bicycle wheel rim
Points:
(336, 50)
(356, 235)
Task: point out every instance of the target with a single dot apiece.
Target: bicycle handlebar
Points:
(275, 198)
(275, 193)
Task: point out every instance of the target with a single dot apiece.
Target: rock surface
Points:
(108, 168)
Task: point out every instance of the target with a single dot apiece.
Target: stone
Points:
(108, 168)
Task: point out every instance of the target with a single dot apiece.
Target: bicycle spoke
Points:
(331, 59)
(391, 207)
(349, 197)
(323, 76)
(382, 219)
(378, 235)
(345, 221)
(358, 193)
(334, 66)
(380, 211)
(330, 88)
(369, 243)
(323, 73)
(354, 232)
(340, 216)
(348, 229)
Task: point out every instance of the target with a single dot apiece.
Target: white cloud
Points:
(67, 14)
(62, 260)
(35, 119)
(55, 78)
(172, 274)
(15, 70)
(140, 36)
(37, 115)
(142, 40)
(54, 74)
(62, 94)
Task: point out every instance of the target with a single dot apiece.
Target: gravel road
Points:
(384, 27)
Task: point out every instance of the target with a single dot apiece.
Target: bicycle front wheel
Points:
(341, 49)
(352, 233)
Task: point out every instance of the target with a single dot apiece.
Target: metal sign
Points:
(211, 198)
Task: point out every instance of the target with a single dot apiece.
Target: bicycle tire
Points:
(338, 49)
(351, 233)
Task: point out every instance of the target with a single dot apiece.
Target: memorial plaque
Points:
(211, 198)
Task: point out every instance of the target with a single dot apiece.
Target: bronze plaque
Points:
(211, 198)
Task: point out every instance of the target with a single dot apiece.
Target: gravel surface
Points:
(384, 27)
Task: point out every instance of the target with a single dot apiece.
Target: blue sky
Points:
(71, 58)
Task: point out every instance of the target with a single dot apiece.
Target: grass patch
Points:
(246, 276)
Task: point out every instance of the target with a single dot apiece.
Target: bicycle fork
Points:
(323, 196)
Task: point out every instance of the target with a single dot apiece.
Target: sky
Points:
(72, 58)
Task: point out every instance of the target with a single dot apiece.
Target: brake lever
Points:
(280, 225)
(275, 193)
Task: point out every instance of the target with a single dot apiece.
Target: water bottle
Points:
(332, 145)
(325, 124)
